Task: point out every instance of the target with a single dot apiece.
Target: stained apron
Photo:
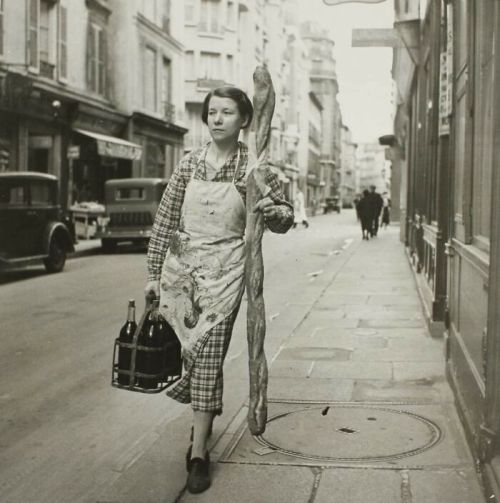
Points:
(202, 279)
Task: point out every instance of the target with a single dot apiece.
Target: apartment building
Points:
(347, 168)
(68, 103)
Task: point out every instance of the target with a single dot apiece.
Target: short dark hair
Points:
(243, 102)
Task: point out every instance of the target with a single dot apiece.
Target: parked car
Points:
(332, 204)
(131, 205)
(32, 224)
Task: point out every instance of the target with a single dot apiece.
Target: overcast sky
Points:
(364, 74)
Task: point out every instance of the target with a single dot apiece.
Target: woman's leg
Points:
(202, 425)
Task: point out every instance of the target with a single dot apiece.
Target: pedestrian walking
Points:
(376, 204)
(299, 207)
(196, 260)
(386, 204)
(365, 214)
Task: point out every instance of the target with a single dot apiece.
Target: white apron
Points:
(202, 278)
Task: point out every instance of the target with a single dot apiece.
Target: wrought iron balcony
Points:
(168, 111)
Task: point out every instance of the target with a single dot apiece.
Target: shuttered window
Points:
(1, 26)
(33, 17)
(63, 42)
(96, 59)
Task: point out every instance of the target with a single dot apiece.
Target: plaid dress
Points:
(202, 383)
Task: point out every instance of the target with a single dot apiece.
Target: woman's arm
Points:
(167, 219)
(282, 218)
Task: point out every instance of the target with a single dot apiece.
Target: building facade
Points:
(67, 105)
(348, 168)
(447, 143)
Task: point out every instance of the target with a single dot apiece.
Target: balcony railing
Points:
(168, 111)
(47, 69)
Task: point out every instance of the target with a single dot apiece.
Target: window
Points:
(230, 15)
(150, 79)
(1, 27)
(166, 83)
(210, 16)
(96, 58)
(190, 68)
(165, 22)
(44, 33)
(210, 65)
(40, 194)
(230, 68)
(129, 193)
(63, 42)
(484, 109)
(33, 15)
(149, 10)
(189, 11)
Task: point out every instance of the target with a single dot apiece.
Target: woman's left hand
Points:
(267, 207)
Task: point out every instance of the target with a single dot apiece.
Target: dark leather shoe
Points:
(199, 475)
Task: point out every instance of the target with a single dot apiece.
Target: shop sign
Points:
(108, 149)
(74, 152)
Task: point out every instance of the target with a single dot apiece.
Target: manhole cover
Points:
(339, 432)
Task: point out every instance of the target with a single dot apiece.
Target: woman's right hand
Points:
(152, 288)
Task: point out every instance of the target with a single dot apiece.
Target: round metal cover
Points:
(336, 432)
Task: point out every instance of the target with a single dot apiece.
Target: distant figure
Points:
(386, 218)
(365, 214)
(376, 203)
(299, 208)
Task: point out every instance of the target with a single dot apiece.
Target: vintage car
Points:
(332, 204)
(131, 205)
(32, 225)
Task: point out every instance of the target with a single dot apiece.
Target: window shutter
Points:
(63, 42)
(101, 62)
(1, 27)
(33, 33)
(89, 55)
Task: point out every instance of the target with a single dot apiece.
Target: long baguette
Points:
(264, 100)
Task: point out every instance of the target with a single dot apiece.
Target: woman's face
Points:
(224, 119)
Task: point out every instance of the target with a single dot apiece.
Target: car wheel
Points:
(108, 245)
(57, 256)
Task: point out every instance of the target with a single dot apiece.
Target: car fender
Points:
(59, 230)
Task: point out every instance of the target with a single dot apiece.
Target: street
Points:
(62, 426)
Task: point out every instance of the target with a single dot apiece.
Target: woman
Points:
(365, 214)
(299, 208)
(196, 259)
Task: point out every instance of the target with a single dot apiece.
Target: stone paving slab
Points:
(408, 371)
(313, 389)
(257, 484)
(357, 485)
(352, 370)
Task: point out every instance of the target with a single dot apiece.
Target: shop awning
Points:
(111, 146)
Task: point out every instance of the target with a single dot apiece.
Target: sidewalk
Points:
(359, 407)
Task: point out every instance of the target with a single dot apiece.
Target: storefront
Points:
(162, 144)
(98, 152)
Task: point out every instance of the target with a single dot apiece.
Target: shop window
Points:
(96, 58)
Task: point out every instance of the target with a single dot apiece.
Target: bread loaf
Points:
(264, 100)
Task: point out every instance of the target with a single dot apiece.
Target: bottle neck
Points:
(131, 313)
